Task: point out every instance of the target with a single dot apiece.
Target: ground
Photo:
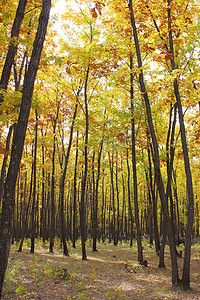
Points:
(110, 273)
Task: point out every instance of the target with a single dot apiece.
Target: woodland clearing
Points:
(110, 273)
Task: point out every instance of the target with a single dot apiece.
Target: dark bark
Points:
(18, 141)
(137, 221)
(117, 196)
(154, 202)
(162, 247)
(170, 160)
(33, 222)
(103, 209)
(129, 199)
(42, 214)
(75, 200)
(111, 162)
(62, 183)
(26, 211)
(175, 276)
(150, 210)
(95, 208)
(12, 49)
(3, 168)
(109, 219)
(53, 212)
(84, 178)
(123, 205)
(189, 227)
(177, 208)
(197, 219)
(19, 77)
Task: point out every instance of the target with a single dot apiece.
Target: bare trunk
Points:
(187, 256)
(175, 276)
(137, 221)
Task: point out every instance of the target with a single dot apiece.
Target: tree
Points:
(175, 277)
(18, 140)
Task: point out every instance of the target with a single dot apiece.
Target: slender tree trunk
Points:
(62, 183)
(103, 210)
(139, 242)
(129, 199)
(175, 276)
(117, 196)
(113, 197)
(33, 221)
(26, 212)
(187, 256)
(84, 179)
(123, 205)
(75, 200)
(109, 219)
(155, 218)
(95, 216)
(197, 224)
(53, 208)
(177, 207)
(162, 247)
(42, 216)
(52, 226)
(149, 209)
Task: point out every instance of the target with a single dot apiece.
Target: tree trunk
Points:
(3, 168)
(53, 212)
(62, 183)
(187, 256)
(129, 199)
(42, 215)
(175, 276)
(103, 210)
(84, 178)
(139, 242)
(113, 198)
(117, 194)
(12, 49)
(155, 218)
(33, 222)
(18, 141)
(95, 213)
(75, 190)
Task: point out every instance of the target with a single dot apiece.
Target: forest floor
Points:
(110, 273)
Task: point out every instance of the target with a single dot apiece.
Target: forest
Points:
(100, 133)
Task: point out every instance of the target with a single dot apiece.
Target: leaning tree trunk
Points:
(12, 49)
(62, 184)
(187, 256)
(175, 276)
(3, 168)
(18, 141)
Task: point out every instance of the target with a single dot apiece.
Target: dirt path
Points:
(110, 273)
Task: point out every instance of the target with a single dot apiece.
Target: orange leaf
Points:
(93, 12)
